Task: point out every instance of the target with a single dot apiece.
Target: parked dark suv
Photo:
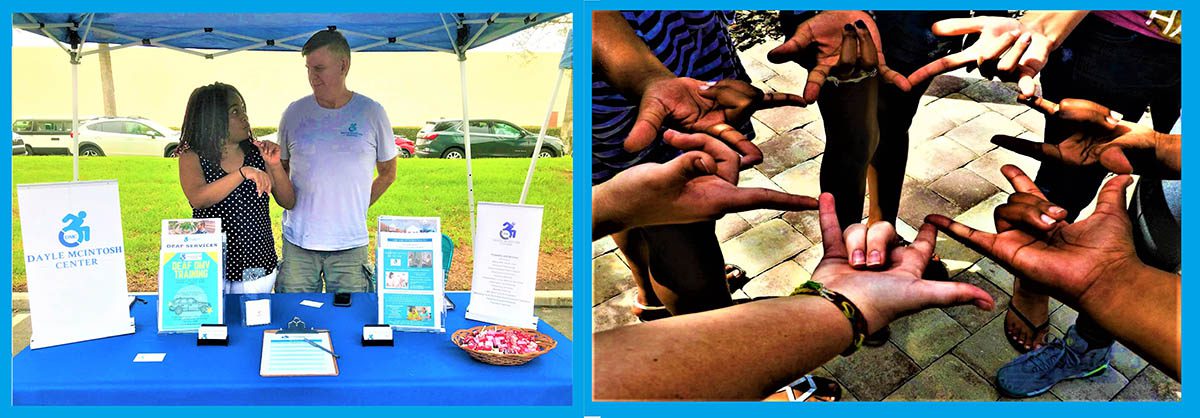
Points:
(489, 138)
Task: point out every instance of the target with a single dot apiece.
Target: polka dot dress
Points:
(245, 218)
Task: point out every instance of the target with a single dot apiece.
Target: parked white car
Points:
(98, 136)
(44, 136)
(126, 136)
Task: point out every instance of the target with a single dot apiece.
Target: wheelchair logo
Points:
(352, 131)
(74, 233)
(509, 231)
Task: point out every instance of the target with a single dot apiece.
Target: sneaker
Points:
(1037, 371)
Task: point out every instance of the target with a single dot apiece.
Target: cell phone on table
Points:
(341, 299)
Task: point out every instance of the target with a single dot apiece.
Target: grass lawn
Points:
(150, 193)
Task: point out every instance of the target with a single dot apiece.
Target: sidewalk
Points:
(954, 170)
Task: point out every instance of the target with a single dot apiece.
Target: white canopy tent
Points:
(201, 34)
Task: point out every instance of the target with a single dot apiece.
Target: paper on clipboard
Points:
(291, 354)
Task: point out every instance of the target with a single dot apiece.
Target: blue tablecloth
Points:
(421, 369)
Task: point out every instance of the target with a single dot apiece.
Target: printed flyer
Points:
(191, 275)
(504, 279)
(409, 272)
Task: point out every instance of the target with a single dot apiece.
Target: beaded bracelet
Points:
(858, 324)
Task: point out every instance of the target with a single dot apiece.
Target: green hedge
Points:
(409, 132)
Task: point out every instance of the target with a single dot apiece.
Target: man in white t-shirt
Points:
(332, 144)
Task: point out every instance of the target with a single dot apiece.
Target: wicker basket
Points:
(544, 342)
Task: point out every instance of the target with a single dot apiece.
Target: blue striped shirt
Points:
(692, 44)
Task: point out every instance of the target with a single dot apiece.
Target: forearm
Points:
(380, 185)
(212, 193)
(281, 187)
(1142, 309)
(621, 58)
(1168, 149)
(1055, 25)
(753, 349)
(606, 217)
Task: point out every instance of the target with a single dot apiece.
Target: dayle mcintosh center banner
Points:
(74, 261)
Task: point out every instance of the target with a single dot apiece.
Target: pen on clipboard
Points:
(314, 344)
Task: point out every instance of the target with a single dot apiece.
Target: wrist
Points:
(647, 78)
(1112, 281)
(605, 217)
(1055, 26)
(855, 319)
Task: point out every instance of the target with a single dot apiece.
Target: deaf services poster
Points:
(191, 275)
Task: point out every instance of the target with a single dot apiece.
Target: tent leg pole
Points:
(541, 136)
(466, 127)
(75, 116)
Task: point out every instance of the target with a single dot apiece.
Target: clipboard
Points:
(297, 351)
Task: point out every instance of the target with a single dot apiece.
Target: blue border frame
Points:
(582, 405)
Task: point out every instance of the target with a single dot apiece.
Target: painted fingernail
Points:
(860, 24)
(1055, 210)
(874, 258)
(1116, 115)
(1047, 219)
(848, 27)
(711, 83)
(705, 87)
(857, 258)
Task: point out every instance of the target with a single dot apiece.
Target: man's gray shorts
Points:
(309, 271)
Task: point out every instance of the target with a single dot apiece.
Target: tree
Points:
(106, 81)
(753, 27)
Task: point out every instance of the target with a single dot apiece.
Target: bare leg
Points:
(687, 269)
(852, 134)
(633, 246)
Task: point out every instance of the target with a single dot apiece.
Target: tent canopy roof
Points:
(233, 32)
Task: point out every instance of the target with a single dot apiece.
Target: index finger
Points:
(743, 199)
(779, 99)
(831, 230)
(896, 79)
(977, 240)
(1037, 150)
(941, 65)
(1042, 105)
(957, 26)
(1020, 181)
(816, 78)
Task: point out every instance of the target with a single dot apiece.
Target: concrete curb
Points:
(555, 298)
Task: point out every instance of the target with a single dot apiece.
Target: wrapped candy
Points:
(503, 341)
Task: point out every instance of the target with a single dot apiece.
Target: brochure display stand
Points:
(410, 281)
